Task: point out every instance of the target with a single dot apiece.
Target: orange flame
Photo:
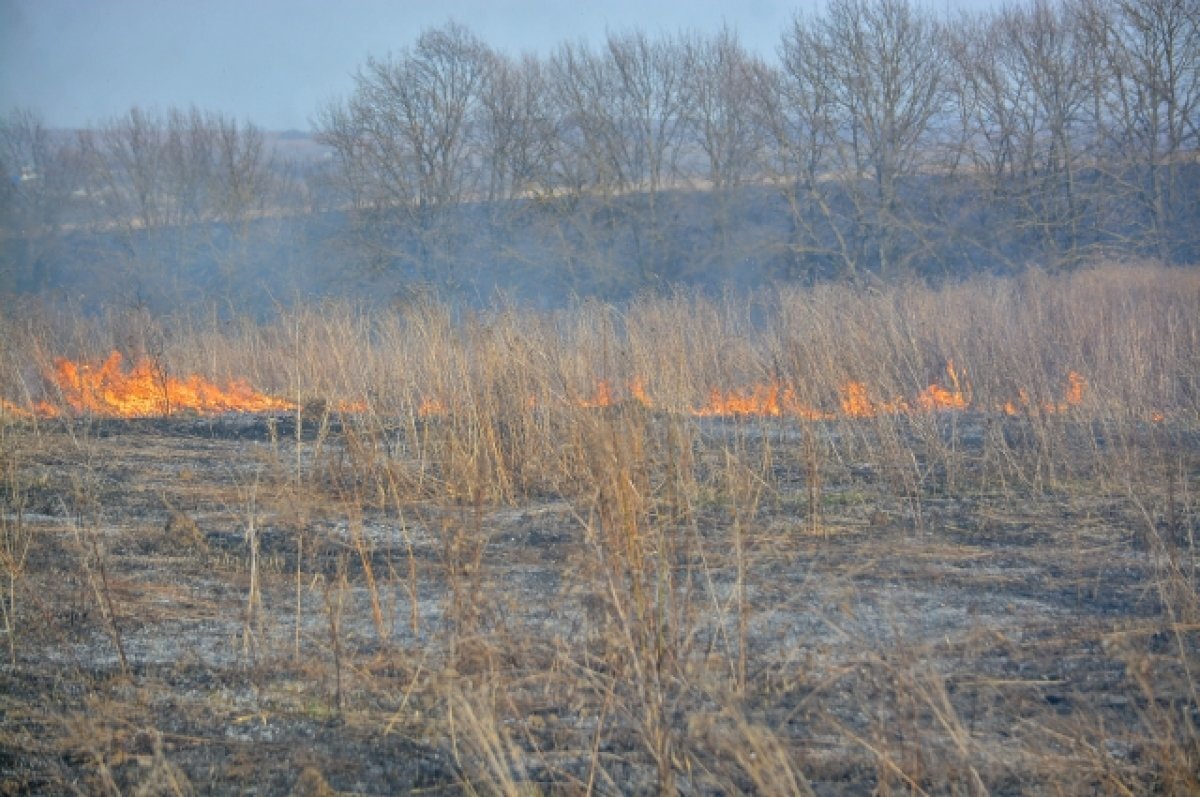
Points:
(351, 406)
(602, 397)
(857, 402)
(1073, 397)
(936, 397)
(430, 407)
(112, 390)
(637, 389)
(8, 408)
(108, 389)
(771, 400)
(1076, 384)
(759, 400)
(605, 395)
(775, 400)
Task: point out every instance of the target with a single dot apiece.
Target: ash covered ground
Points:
(237, 605)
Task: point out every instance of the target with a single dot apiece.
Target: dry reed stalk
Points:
(462, 413)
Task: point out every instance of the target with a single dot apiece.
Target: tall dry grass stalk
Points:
(1130, 332)
(429, 417)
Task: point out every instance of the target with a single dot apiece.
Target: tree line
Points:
(882, 139)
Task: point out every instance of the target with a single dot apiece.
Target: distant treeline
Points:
(882, 140)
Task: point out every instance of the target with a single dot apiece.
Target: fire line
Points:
(110, 389)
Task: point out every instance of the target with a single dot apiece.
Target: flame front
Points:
(602, 397)
(145, 391)
(110, 389)
(1073, 397)
(771, 400)
(936, 397)
(8, 408)
(431, 407)
(605, 395)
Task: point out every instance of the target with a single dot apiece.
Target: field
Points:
(823, 541)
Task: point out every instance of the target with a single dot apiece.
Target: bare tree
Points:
(41, 195)
(852, 112)
(995, 122)
(188, 161)
(717, 74)
(624, 119)
(182, 192)
(652, 106)
(40, 173)
(1050, 53)
(796, 105)
(1147, 98)
(407, 142)
(888, 79)
(247, 172)
(183, 167)
(125, 158)
(718, 78)
(518, 129)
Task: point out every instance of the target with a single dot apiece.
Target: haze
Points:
(275, 62)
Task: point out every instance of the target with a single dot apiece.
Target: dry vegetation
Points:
(479, 581)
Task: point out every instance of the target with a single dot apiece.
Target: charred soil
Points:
(303, 605)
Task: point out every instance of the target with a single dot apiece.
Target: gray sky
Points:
(275, 62)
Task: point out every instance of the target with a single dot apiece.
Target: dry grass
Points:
(530, 583)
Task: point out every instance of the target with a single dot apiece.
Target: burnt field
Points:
(189, 618)
(959, 558)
